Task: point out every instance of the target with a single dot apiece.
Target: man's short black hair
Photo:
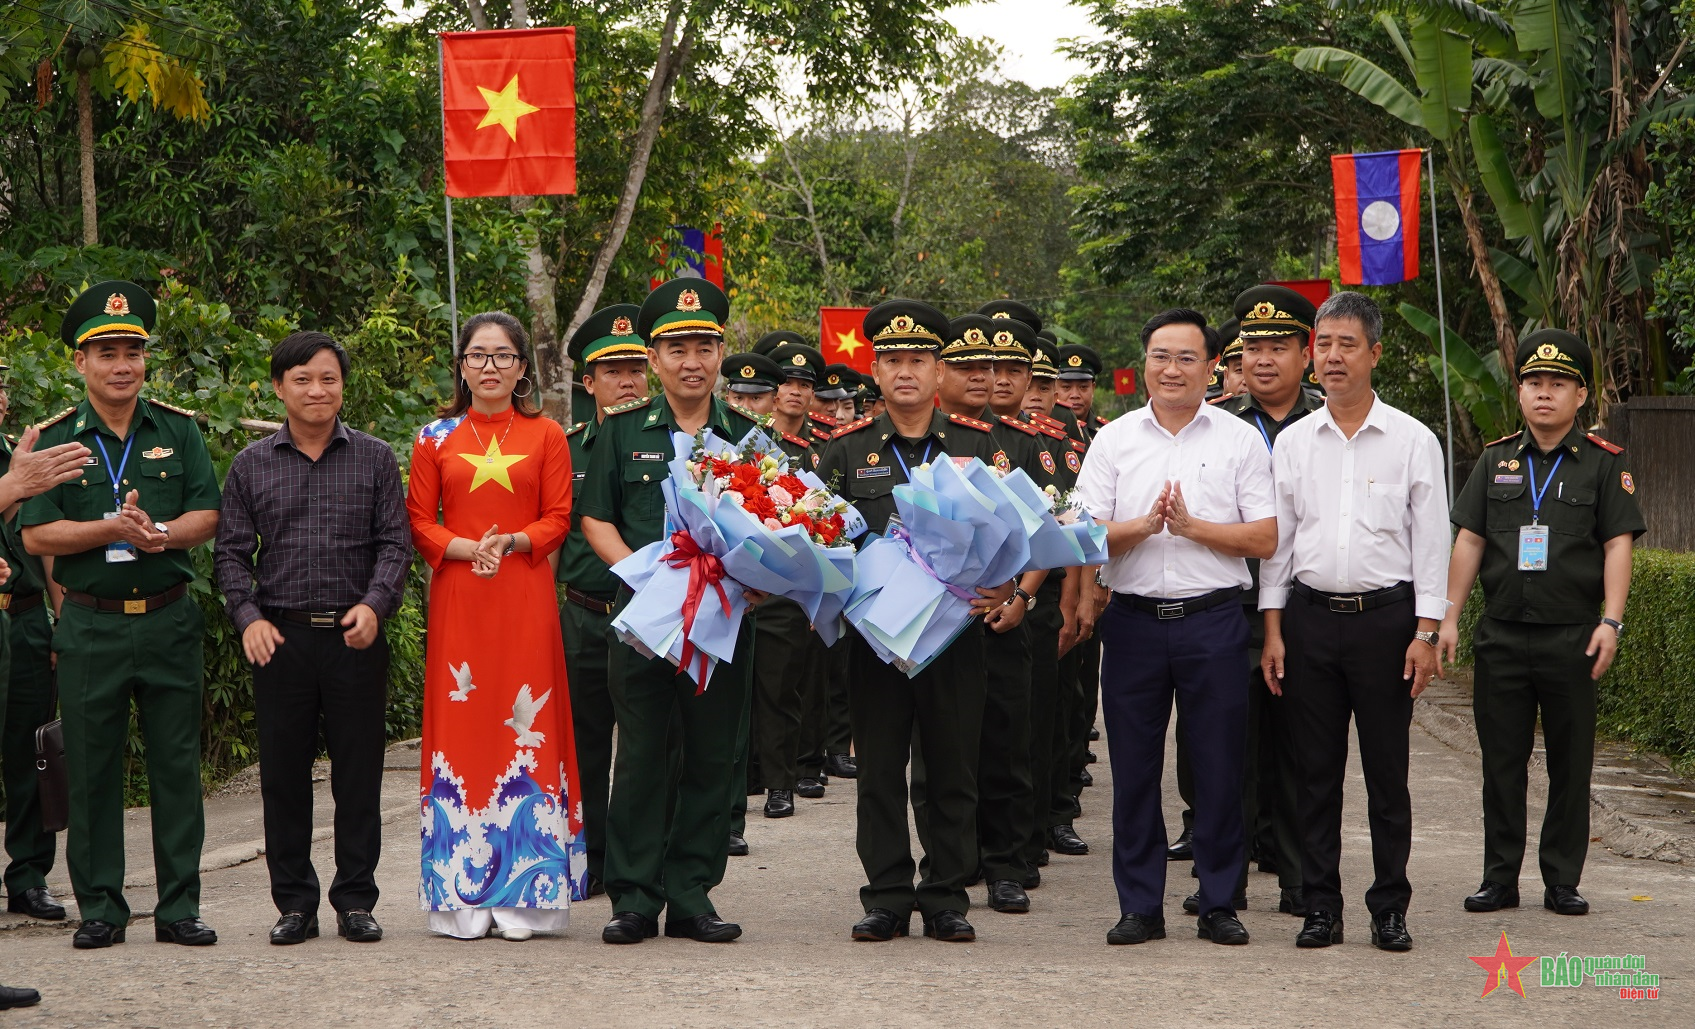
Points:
(299, 348)
(1184, 316)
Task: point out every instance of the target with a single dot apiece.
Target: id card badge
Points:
(119, 551)
(1533, 548)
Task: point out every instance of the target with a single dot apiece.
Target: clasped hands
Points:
(134, 527)
(1169, 511)
(485, 560)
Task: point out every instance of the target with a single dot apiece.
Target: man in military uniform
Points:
(834, 393)
(1547, 518)
(872, 398)
(1076, 368)
(834, 385)
(119, 536)
(941, 708)
(622, 508)
(612, 360)
(750, 382)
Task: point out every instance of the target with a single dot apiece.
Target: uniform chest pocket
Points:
(1571, 511)
(642, 496)
(90, 495)
(879, 483)
(1385, 507)
(159, 481)
(1505, 512)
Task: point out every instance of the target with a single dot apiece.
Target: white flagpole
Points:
(1441, 320)
(452, 279)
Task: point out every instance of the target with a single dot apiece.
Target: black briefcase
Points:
(52, 780)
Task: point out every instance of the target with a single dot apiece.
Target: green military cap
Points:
(796, 360)
(969, 339)
(1230, 337)
(114, 308)
(1012, 309)
(1554, 350)
(1266, 310)
(683, 307)
(609, 334)
(839, 382)
(869, 390)
(1077, 361)
(782, 337)
(1042, 356)
(751, 373)
(904, 325)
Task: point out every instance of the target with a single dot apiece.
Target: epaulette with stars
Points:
(1222, 397)
(1079, 447)
(1046, 419)
(851, 427)
(633, 405)
(573, 430)
(745, 413)
(825, 420)
(818, 434)
(185, 412)
(1049, 430)
(1024, 427)
(1608, 446)
(56, 419)
(796, 440)
(970, 423)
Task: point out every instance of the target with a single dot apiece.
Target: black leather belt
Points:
(311, 619)
(1354, 603)
(598, 604)
(18, 603)
(138, 606)
(1166, 610)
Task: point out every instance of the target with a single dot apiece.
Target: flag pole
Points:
(1441, 319)
(452, 278)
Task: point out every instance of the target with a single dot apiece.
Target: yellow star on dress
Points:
(491, 466)
(847, 343)
(505, 108)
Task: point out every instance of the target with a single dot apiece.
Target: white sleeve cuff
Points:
(1435, 608)
(1273, 598)
(1258, 514)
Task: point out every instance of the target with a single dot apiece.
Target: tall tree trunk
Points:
(85, 143)
(1506, 333)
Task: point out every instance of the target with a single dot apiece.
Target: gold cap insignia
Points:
(901, 323)
(798, 360)
(747, 371)
(1003, 338)
(1041, 355)
(834, 380)
(873, 457)
(1264, 309)
(688, 300)
(117, 304)
(1074, 361)
(974, 336)
(621, 327)
(1000, 314)
(1548, 352)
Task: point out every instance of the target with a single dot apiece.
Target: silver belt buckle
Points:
(322, 619)
(1166, 612)
(1347, 605)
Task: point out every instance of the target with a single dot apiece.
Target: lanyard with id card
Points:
(117, 551)
(1533, 538)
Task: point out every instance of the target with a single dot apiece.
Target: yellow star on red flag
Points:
(492, 466)
(847, 343)
(505, 108)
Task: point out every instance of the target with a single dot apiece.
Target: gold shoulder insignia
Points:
(185, 412)
(1080, 448)
(56, 419)
(573, 430)
(1609, 447)
(851, 427)
(796, 440)
(825, 420)
(745, 413)
(1221, 398)
(633, 405)
(959, 419)
(1024, 427)
(1050, 430)
(1045, 419)
(1102, 420)
(1508, 437)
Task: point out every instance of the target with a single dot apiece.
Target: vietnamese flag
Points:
(1124, 381)
(509, 112)
(841, 336)
(1377, 216)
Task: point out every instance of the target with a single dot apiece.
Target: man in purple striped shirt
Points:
(313, 548)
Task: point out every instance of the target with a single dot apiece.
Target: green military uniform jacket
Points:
(579, 566)
(631, 457)
(802, 454)
(1589, 499)
(864, 460)
(28, 574)
(169, 467)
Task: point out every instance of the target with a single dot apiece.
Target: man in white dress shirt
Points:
(1185, 492)
(1352, 602)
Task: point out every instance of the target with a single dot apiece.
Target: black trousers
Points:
(314, 682)
(1342, 666)
(586, 648)
(1044, 624)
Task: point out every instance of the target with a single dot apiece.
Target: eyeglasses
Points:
(1184, 361)
(502, 360)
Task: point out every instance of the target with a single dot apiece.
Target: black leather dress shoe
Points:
(1321, 929)
(949, 927)
(738, 844)
(1389, 931)
(36, 902)
(18, 997)
(1192, 903)
(357, 926)
(190, 932)
(1089, 757)
(1136, 929)
(1292, 902)
(94, 934)
(629, 927)
(1085, 778)
(881, 925)
(1094, 734)
(1066, 841)
(1042, 860)
(1183, 848)
(1220, 926)
(780, 804)
(707, 928)
(810, 788)
(1009, 897)
(841, 765)
(1032, 878)
(294, 927)
(1492, 896)
(1564, 900)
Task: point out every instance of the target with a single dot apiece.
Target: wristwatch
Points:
(1428, 637)
(1098, 580)
(1618, 626)
(1029, 601)
(511, 544)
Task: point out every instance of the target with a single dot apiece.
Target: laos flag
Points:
(1377, 216)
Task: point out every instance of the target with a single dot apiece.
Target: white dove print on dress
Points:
(461, 676)
(524, 711)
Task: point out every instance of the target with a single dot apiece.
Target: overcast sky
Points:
(1030, 30)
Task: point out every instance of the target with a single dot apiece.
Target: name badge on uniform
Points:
(872, 473)
(578, 475)
(1533, 548)
(1508, 480)
(647, 455)
(119, 551)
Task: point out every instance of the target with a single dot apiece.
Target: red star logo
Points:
(1503, 967)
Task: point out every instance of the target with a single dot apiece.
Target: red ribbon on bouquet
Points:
(704, 570)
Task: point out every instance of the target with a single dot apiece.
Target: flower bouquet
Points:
(1069, 536)
(737, 517)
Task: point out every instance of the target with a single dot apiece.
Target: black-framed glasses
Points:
(502, 360)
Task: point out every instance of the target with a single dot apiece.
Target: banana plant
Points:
(1478, 383)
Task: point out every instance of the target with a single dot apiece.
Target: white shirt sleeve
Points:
(1255, 489)
(1276, 572)
(1430, 540)
(1097, 482)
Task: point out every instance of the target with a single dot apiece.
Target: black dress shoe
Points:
(190, 932)
(1192, 903)
(595, 888)
(1089, 757)
(1183, 848)
(738, 844)
(1094, 734)
(1136, 929)
(1066, 840)
(357, 926)
(36, 902)
(94, 934)
(1292, 902)
(1492, 896)
(810, 788)
(841, 765)
(949, 927)
(707, 928)
(1032, 879)
(1564, 900)
(881, 925)
(1321, 929)
(18, 997)
(1085, 778)
(1042, 860)
(780, 804)
(294, 927)
(629, 927)
(1389, 931)
(1009, 897)
(1220, 926)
